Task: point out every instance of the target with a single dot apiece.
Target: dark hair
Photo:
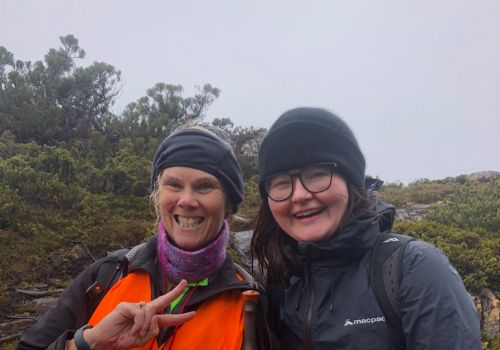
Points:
(275, 250)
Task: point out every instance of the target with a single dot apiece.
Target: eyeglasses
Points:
(315, 178)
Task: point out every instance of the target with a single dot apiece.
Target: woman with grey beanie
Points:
(336, 276)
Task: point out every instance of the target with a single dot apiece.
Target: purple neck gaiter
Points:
(193, 266)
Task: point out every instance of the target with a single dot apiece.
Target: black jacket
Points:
(328, 301)
(74, 308)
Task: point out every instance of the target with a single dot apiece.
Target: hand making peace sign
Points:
(131, 325)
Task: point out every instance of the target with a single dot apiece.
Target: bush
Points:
(474, 206)
(474, 255)
(421, 191)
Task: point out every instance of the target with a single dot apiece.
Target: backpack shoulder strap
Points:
(386, 274)
(247, 277)
(112, 269)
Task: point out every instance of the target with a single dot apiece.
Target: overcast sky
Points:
(418, 81)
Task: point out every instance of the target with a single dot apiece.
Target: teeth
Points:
(188, 222)
(307, 212)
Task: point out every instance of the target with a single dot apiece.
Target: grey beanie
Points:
(306, 136)
(203, 150)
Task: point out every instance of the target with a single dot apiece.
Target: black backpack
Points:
(113, 268)
(386, 274)
(387, 260)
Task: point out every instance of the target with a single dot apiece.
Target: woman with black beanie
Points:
(315, 239)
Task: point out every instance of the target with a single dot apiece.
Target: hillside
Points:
(74, 183)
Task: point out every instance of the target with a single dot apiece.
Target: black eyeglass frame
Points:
(332, 166)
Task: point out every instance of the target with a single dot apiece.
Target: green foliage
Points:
(6, 304)
(55, 100)
(74, 177)
(492, 343)
(163, 109)
(474, 255)
(463, 222)
(422, 191)
(473, 206)
(11, 345)
(57, 210)
(250, 206)
(245, 142)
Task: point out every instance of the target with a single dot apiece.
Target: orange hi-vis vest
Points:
(218, 324)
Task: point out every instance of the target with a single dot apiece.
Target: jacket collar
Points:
(223, 280)
(347, 245)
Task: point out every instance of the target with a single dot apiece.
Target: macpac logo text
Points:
(348, 322)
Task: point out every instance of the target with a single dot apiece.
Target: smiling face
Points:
(312, 217)
(192, 206)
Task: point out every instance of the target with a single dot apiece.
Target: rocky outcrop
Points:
(483, 176)
(488, 308)
(240, 241)
(13, 330)
(41, 305)
(412, 211)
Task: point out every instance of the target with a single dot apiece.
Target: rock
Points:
(41, 305)
(14, 327)
(56, 283)
(78, 252)
(490, 312)
(241, 243)
(483, 176)
(412, 211)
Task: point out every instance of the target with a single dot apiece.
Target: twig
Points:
(10, 337)
(88, 252)
(38, 293)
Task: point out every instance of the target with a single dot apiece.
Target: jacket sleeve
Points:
(436, 310)
(70, 312)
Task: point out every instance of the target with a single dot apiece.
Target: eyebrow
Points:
(200, 179)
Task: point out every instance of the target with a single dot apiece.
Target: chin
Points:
(190, 246)
(316, 237)
(186, 244)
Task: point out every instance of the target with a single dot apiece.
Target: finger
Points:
(167, 320)
(139, 319)
(160, 303)
(152, 331)
(154, 328)
(149, 312)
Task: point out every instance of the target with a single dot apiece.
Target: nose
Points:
(187, 199)
(299, 192)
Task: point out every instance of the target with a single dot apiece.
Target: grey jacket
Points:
(328, 302)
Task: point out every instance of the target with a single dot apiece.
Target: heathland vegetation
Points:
(74, 177)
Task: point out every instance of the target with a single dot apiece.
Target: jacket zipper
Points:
(309, 343)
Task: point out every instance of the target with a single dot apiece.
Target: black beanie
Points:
(306, 136)
(203, 150)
